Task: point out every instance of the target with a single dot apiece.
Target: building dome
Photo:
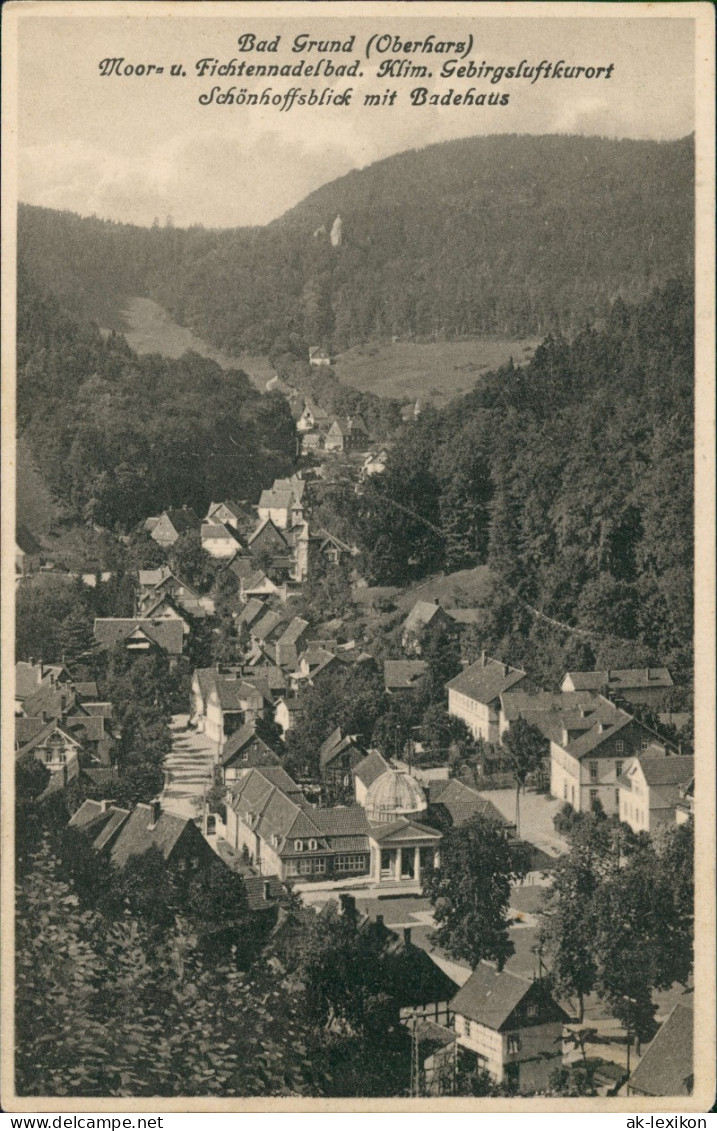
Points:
(392, 795)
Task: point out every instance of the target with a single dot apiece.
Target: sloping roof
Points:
(29, 677)
(53, 701)
(255, 887)
(667, 1066)
(87, 690)
(214, 531)
(37, 739)
(420, 615)
(675, 770)
(167, 633)
(405, 829)
(253, 608)
(416, 978)
(27, 729)
(462, 803)
(26, 541)
(268, 624)
(372, 766)
(337, 743)
(148, 578)
(517, 703)
(276, 500)
(585, 743)
(182, 518)
(490, 996)
(242, 738)
(293, 631)
(340, 821)
(99, 708)
(617, 679)
(486, 680)
(403, 674)
(138, 834)
(234, 694)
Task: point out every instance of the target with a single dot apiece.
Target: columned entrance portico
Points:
(403, 850)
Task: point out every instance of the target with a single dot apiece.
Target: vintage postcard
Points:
(358, 557)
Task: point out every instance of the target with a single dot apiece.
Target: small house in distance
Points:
(474, 695)
(651, 788)
(28, 552)
(512, 1026)
(638, 685)
(172, 523)
(319, 356)
(422, 615)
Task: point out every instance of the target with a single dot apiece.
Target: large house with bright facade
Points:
(384, 841)
(474, 696)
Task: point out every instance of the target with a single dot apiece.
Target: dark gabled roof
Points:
(149, 578)
(234, 694)
(166, 633)
(341, 822)
(53, 701)
(667, 1066)
(485, 681)
(372, 766)
(403, 674)
(421, 614)
(514, 704)
(37, 739)
(490, 996)
(26, 541)
(416, 978)
(268, 625)
(255, 887)
(27, 729)
(206, 678)
(87, 690)
(660, 770)
(245, 735)
(293, 631)
(253, 608)
(621, 679)
(101, 707)
(418, 830)
(211, 531)
(138, 834)
(30, 678)
(462, 803)
(182, 518)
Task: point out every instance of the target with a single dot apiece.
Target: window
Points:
(593, 771)
(466, 1027)
(565, 791)
(352, 863)
(617, 798)
(298, 846)
(320, 864)
(305, 867)
(292, 867)
(532, 1009)
(618, 769)
(619, 746)
(593, 798)
(513, 1044)
(312, 846)
(245, 756)
(644, 743)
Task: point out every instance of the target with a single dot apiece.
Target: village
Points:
(361, 817)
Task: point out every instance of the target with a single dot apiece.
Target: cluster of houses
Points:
(63, 724)
(598, 752)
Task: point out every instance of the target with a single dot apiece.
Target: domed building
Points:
(392, 795)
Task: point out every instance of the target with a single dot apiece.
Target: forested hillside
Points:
(508, 235)
(572, 477)
(117, 437)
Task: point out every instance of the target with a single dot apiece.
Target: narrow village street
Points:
(188, 769)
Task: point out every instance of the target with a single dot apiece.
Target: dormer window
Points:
(313, 846)
(298, 846)
(532, 1010)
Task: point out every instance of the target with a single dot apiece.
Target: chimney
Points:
(566, 736)
(482, 658)
(155, 809)
(379, 920)
(44, 716)
(106, 803)
(406, 936)
(266, 887)
(647, 675)
(348, 904)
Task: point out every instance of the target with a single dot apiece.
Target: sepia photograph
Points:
(358, 726)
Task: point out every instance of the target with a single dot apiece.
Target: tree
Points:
(525, 748)
(470, 891)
